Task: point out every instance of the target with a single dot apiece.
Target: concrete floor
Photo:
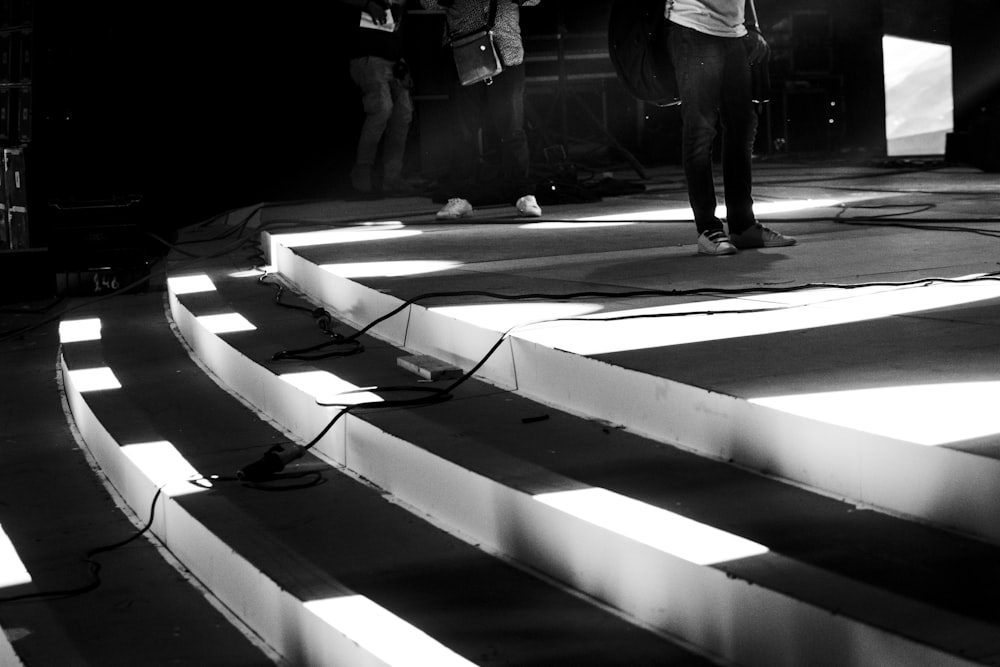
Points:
(866, 224)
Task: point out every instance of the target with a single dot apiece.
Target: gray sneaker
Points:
(455, 208)
(760, 236)
(715, 242)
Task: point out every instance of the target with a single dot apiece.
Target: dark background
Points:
(167, 114)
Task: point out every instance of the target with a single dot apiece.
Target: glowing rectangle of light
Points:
(226, 323)
(389, 269)
(329, 389)
(919, 104)
(574, 225)
(334, 236)
(653, 526)
(252, 273)
(94, 379)
(681, 213)
(812, 309)
(12, 570)
(191, 284)
(165, 467)
(925, 414)
(76, 331)
(383, 634)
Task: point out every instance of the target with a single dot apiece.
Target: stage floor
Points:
(849, 317)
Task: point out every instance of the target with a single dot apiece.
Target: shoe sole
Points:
(765, 245)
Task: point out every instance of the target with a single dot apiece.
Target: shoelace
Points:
(717, 236)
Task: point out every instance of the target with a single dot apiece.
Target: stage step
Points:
(750, 569)
(322, 565)
(881, 394)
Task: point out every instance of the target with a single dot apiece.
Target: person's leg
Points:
(698, 61)
(371, 74)
(506, 108)
(394, 144)
(739, 123)
(469, 105)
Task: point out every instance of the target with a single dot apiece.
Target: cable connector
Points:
(323, 319)
(273, 462)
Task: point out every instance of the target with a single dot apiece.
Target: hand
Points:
(377, 11)
(757, 47)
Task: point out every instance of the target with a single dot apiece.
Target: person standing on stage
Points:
(499, 102)
(712, 46)
(378, 68)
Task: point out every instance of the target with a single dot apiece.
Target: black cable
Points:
(93, 565)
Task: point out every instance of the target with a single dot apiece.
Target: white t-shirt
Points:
(723, 18)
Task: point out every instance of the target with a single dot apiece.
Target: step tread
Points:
(833, 554)
(348, 531)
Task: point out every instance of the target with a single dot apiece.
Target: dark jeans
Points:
(388, 112)
(492, 111)
(713, 77)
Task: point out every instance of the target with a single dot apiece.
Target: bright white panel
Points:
(75, 331)
(682, 213)
(12, 570)
(94, 379)
(928, 414)
(383, 634)
(778, 312)
(919, 104)
(165, 467)
(191, 284)
(653, 526)
(226, 323)
(329, 389)
(389, 269)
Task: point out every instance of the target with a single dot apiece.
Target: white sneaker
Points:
(455, 208)
(528, 207)
(715, 242)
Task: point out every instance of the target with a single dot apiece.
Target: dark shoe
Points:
(760, 236)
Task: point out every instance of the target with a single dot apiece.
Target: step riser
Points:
(655, 588)
(279, 618)
(863, 468)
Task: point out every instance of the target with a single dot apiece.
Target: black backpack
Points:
(637, 43)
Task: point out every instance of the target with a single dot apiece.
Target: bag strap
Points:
(493, 15)
(491, 20)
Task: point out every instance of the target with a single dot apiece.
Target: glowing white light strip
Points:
(76, 331)
(388, 269)
(334, 236)
(94, 379)
(252, 273)
(760, 208)
(655, 527)
(226, 323)
(818, 308)
(165, 467)
(573, 225)
(503, 316)
(328, 388)
(929, 414)
(12, 570)
(191, 284)
(383, 634)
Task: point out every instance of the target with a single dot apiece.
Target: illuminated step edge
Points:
(937, 485)
(701, 604)
(329, 630)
